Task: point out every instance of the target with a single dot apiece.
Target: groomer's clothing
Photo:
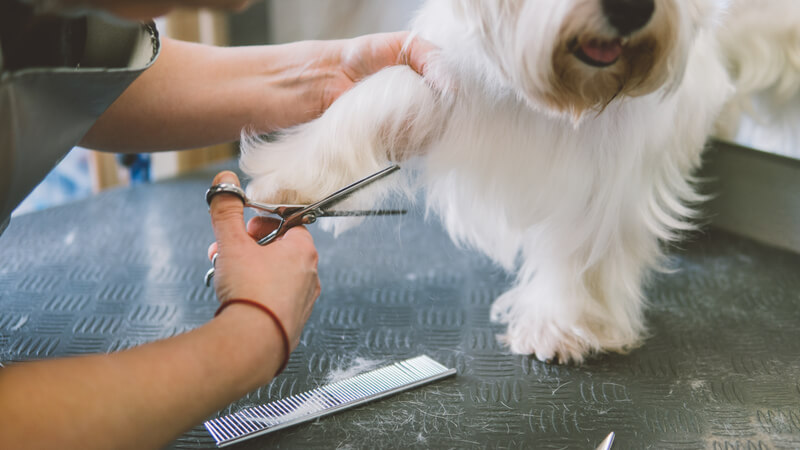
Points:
(57, 76)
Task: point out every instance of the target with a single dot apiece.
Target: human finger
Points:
(304, 253)
(299, 236)
(416, 52)
(257, 227)
(212, 250)
(260, 226)
(227, 211)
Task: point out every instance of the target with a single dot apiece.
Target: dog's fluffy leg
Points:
(562, 309)
(387, 117)
(562, 312)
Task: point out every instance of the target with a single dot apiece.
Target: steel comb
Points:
(328, 399)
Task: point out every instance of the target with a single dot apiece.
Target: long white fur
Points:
(761, 44)
(575, 204)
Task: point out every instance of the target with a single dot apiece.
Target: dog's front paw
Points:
(555, 334)
(548, 342)
(275, 187)
(284, 171)
(291, 171)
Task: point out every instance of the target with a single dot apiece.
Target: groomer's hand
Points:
(281, 275)
(207, 95)
(360, 57)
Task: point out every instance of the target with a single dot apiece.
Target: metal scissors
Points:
(293, 215)
(607, 442)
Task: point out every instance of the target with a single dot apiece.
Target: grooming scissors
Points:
(607, 442)
(293, 215)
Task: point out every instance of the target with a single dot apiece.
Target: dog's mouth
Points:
(597, 52)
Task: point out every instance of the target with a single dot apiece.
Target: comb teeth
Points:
(324, 400)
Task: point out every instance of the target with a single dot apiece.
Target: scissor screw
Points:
(309, 219)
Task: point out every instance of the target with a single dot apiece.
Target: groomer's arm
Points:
(140, 398)
(145, 397)
(196, 95)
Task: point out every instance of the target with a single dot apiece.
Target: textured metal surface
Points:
(721, 369)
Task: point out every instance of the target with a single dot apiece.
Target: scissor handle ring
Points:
(275, 233)
(225, 188)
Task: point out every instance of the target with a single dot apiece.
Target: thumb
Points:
(416, 53)
(227, 211)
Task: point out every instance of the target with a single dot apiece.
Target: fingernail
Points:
(228, 177)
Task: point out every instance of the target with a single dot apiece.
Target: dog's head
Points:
(570, 56)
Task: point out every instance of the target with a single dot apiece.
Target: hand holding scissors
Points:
(293, 215)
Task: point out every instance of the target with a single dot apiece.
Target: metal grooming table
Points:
(720, 370)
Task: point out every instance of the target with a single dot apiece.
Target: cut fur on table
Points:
(558, 137)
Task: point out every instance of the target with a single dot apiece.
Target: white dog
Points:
(556, 136)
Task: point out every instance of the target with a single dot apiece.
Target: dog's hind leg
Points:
(387, 117)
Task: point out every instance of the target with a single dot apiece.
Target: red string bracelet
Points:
(270, 313)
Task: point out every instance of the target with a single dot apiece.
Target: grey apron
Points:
(45, 111)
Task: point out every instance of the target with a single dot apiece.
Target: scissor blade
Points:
(281, 210)
(365, 212)
(607, 442)
(345, 192)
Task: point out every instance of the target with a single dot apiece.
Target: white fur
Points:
(760, 40)
(574, 200)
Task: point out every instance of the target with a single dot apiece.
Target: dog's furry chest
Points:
(502, 156)
(502, 174)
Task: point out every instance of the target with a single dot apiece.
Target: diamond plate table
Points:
(720, 370)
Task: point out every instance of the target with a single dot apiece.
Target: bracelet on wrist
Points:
(275, 319)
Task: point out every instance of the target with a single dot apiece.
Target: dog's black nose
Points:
(628, 16)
